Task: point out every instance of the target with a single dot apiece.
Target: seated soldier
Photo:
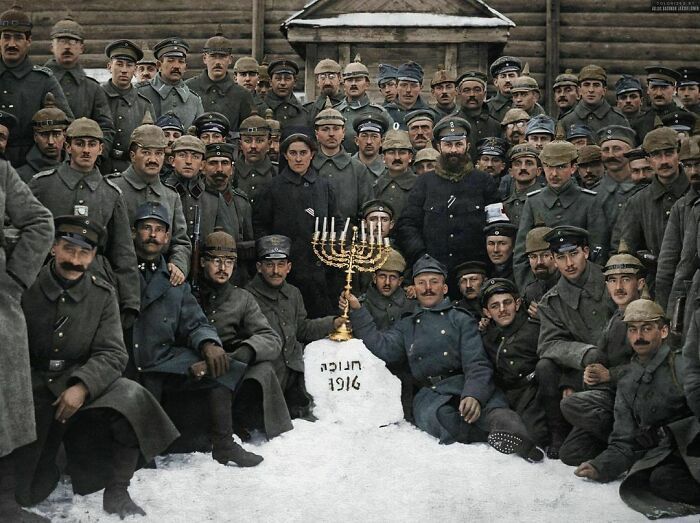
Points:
(573, 315)
(283, 306)
(654, 425)
(510, 340)
(247, 336)
(77, 357)
(446, 356)
(590, 411)
(470, 277)
(545, 271)
(172, 334)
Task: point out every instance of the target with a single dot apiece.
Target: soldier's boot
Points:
(224, 449)
(548, 393)
(10, 511)
(116, 498)
(511, 443)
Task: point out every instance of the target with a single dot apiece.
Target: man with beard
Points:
(573, 315)
(681, 221)
(457, 400)
(566, 93)
(491, 158)
(544, 269)
(560, 202)
(503, 71)
(688, 89)
(141, 183)
(647, 212)
(85, 97)
(539, 131)
(444, 90)
(654, 428)
(425, 161)
(356, 102)
(514, 125)
(471, 275)
(49, 125)
(510, 341)
(616, 186)
(386, 81)
(471, 87)
(500, 237)
(218, 175)
(105, 422)
(24, 85)
(247, 75)
(168, 91)
(420, 128)
(661, 87)
(369, 132)
(525, 176)
(348, 177)
(628, 92)
(286, 109)
(398, 179)
(590, 166)
(162, 353)
(254, 171)
(77, 187)
(590, 411)
(127, 105)
(580, 135)
(327, 73)
(408, 98)
(525, 92)
(593, 110)
(444, 215)
(283, 306)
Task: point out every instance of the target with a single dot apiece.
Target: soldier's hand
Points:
(470, 409)
(349, 299)
(567, 391)
(70, 401)
(532, 310)
(410, 292)
(596, 373)
(176, 275)
(338, 321)
(484, 323)
(217, 360)
(586, 470)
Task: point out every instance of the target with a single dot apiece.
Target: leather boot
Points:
(10, 511)
(116, 499)
(224, 449)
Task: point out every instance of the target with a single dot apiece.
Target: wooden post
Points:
(258, 43)
(309, 77)
(344, 57)
(551, 54)
(451, 58)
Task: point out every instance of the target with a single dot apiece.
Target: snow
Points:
(400, 20)
(341, 471)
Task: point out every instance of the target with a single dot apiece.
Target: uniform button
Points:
(451, 216)
(419, 358)
(139, 369)
(393, 186)
(252, 186)
(252, 175)
(433, 387)
(442, 332)
(165, 320)
(594, 313)
(136, 345)
(558, 204)
(55, 350)
(450, 255)
(50, 380)
(452, 235)
(120, 118)
(212, 321)
(444, 354)
(63, 300)
(60, 335)
(511, 362)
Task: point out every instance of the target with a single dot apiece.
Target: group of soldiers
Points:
(161, 282)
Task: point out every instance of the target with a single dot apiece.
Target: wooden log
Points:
(258, 29)
(397, 35)
(624, 51)
(552, 49)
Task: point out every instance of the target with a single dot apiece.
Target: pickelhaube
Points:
(523, 149)
(394, 262)
(15, 20)
(84, 128)
(524, 84)
(218, 44)
(274, 125)
(68, 28)
(329, 116)
(443, 76)
(254, 125)
(566, 78)
(589, 154)
(148, 136)
(623, 262)
(50, 117)
(356, 69)
(515, 115)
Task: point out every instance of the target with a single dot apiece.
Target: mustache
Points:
(428, 293)
(68, 266)
(641, 343)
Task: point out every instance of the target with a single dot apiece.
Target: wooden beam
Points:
(258, 26)
(451, 58)
(344, 57)
(551, 53)
(309, 78)
(398, 35)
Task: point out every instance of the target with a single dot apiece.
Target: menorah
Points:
(359, 256)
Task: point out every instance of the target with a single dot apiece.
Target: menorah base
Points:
(342, 333)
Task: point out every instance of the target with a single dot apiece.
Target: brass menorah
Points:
(366, 254)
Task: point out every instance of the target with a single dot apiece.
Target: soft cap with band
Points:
(427, 263)
(273, 247)
(566, 238)
(152, 211)
(80, 230)
(219, 243)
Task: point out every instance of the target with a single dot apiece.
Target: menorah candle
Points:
(343, 235)
(333, 229)
(316, 225)
(386, 242)
(323, 234)
(364, 237)
(379, 233)
(371, 233)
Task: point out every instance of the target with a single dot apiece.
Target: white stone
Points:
(350, 385)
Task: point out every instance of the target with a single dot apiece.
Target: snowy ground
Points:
(332, 471)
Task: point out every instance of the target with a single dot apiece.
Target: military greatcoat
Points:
(223, 96)
(178, 99)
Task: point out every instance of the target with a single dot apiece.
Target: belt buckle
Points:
(57, 365)
(80, 210)
(118, 154)
(434, 380)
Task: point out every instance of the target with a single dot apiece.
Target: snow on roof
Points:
(401, 20)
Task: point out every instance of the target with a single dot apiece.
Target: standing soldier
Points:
(471, 87)
(216, 87)
(526, 172)
(146, 66)
(386, 81)
(688, 89)
(49, 125)
(443, 86)
(263, 85)
(503, 71)
(167, 91)
(661, 87)
(544, 269)
(128, 106)
(83, 92)
(408, 98)
(369, 132)
(24, 86)
(593, 110)
(212, 127)
(327, 73)
(398, 179)
(254, 170)
(514, 125)
(356, 102)
(524, 93)
(78, 188)
(247, 74)
(275, 136)
(286, 109)
(33, 229)
(628, 92)
(425, 161)
(566, 93)
(540, 131)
